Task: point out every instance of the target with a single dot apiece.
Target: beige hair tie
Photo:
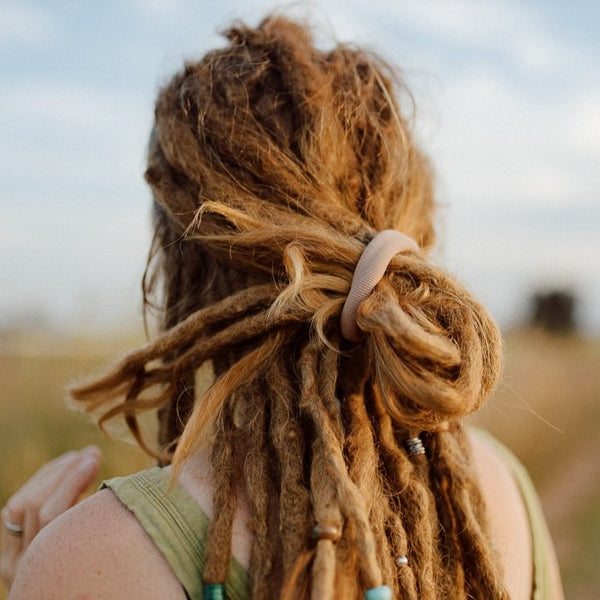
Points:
(370, 268)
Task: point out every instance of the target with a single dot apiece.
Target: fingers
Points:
(72, 485)
(11, 548)
(53, 489)
(22, 508)
(56, 477)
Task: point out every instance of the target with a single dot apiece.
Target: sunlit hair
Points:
(272, 164)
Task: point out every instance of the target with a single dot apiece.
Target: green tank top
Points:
(178, 527)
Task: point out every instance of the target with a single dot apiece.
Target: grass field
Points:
(547, 410)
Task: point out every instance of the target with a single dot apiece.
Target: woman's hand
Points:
(56, 487)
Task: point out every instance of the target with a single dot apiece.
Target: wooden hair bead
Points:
(326, 531)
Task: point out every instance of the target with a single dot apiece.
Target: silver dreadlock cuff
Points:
(414, 446)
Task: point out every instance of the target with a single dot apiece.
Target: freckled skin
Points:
(98, 551)
(95, 551)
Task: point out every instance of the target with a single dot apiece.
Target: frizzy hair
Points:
(272, 164)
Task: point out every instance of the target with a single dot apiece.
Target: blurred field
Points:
(547, 410)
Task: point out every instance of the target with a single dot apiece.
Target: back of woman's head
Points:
(270, 122)
(272, 165)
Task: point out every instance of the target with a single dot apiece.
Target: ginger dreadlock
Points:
(272, 164)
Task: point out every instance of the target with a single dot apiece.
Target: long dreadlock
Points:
(272, 164)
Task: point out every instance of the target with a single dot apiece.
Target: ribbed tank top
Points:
(178, 527)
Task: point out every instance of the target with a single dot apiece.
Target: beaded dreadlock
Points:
(272, 164)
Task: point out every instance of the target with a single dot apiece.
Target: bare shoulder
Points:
(508, 519)
(507, 516)
(95, 550)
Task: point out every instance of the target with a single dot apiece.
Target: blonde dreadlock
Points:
(272, 164)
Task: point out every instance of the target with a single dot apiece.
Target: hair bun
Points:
(436, 352)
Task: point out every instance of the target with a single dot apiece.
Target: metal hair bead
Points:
(414, 446)
(383, 592)
(214, 591)
(402, 561)
(326, 531)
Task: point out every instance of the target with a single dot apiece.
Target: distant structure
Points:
(554, 311)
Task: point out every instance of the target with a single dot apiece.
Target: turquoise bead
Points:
(383, 592)
(214, 591)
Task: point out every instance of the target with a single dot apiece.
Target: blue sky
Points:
(508, 108)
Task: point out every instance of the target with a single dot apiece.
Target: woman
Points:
(325, 458)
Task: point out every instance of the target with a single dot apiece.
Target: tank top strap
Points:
(177, 526)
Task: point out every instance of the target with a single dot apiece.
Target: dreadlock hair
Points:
(272, 164)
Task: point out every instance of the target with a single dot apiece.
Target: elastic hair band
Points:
(370, 268)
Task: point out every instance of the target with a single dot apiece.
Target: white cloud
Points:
(501, 144)
(159, 8)
(66, 136)
(73, 263)
(68, 103)
(516, 30)
(462, 21)
(25, 23)
(580, 130)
